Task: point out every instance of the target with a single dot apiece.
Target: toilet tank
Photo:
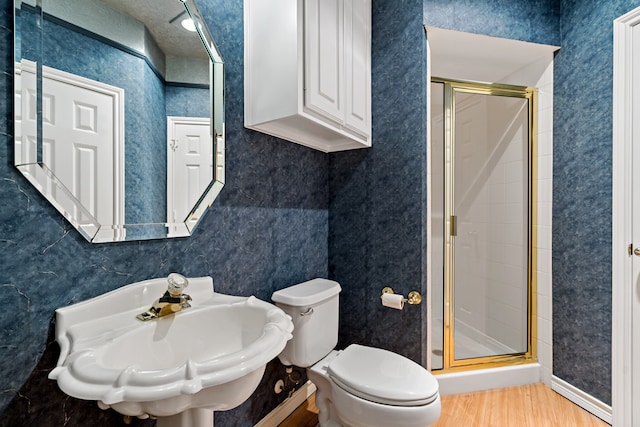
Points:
(313, 307)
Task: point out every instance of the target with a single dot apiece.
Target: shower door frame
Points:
(450, 364)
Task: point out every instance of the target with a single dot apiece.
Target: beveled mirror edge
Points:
(214, 189)
(217, 118)
(92, 231)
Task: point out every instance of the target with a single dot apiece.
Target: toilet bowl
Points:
(359, 386)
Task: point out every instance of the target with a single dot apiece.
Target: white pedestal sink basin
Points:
(178, 368)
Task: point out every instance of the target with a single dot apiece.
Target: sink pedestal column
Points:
(195, 417)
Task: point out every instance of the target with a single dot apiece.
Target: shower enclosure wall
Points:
(483, 188)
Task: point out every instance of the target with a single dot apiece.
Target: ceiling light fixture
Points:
(188, 25)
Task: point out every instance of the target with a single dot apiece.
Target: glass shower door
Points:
(490, 223)
(485, 203)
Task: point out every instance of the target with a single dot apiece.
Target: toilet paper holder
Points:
(413, 298)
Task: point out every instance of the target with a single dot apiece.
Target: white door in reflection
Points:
(77, 145)
(189, 166)
(25, 114)
(81, 134)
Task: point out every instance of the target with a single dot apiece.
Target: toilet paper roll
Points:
(393, 301)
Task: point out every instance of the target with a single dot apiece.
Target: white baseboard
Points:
(582, 399)
(286, 408)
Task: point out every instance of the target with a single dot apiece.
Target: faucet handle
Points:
(177, 283)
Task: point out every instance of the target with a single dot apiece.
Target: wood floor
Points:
(305, 416)
(532, 405)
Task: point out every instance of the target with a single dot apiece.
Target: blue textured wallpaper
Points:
(583, 96)
(377, 208)
(527, 20)
(267, 230)
(187, 101)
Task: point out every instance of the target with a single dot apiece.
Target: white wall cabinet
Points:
(308, 71)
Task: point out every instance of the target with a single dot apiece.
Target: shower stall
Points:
(483, 151)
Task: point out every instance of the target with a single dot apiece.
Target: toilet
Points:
(359, 386)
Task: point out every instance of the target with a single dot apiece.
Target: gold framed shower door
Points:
(452, 87)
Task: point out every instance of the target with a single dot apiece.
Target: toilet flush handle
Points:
(307, 313)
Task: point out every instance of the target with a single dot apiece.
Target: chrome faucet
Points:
(172, 301)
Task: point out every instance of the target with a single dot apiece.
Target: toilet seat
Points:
(383, 377)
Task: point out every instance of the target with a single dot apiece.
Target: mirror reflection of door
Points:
(189, 167)
(141, 48)
(81, 144)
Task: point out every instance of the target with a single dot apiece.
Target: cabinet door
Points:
(324, 73)
(357, 57)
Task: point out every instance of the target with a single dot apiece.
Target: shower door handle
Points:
(453, 225)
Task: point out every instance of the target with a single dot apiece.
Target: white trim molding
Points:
(622, 268)
(286, 408)
(488, 379)
(582, 399)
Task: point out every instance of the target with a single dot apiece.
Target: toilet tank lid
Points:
(307, 293)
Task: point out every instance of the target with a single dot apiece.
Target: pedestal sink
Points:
(179, 368)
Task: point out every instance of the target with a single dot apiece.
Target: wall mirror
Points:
(119, 114)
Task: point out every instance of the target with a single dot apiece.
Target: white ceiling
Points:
(466, 56)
